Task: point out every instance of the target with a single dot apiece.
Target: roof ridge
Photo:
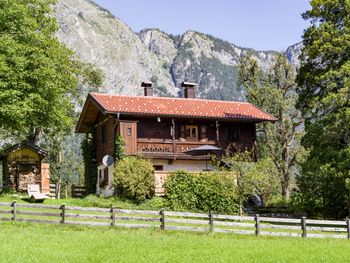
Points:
(175, 98)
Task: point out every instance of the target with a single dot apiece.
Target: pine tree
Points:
(324, 99)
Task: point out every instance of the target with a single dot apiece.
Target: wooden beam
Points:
(217, 132)
(173, 136)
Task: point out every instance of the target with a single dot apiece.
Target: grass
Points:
(155, 203)
(50, 243)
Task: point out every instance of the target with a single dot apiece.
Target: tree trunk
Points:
(34, 136)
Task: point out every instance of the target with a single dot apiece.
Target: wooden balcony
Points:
(156, 148)
(169, 149)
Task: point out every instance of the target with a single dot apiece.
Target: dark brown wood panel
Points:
(128, 130)
(105, 145)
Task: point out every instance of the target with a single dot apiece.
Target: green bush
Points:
(134, 179)
(215, 191)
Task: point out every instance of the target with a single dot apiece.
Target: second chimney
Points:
(189, 89)
(148, 90)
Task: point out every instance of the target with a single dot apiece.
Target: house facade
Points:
(163, 129)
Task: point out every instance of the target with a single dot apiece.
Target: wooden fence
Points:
(168, 220)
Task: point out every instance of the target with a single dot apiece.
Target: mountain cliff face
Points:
(128, 58)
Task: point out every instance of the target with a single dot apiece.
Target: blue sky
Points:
(259, 24)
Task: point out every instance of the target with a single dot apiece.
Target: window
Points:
(192, 132)
(233, 134)
(103, 177)
(129, 132)
(103, 134)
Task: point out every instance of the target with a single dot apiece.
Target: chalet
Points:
(164, 128)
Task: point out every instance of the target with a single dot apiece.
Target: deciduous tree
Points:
(38, 74)
(274, 92)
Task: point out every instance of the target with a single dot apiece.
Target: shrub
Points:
(215, 191)
(134, 179)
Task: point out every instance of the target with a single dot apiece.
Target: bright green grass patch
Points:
(50, 243)
(155, 203)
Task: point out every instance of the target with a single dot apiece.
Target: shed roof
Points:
(22, 145)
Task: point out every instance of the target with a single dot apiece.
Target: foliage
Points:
(274, 92)
(38, 75)
(119, 148)
(254, 177)
(324, 99)
(134, 178)
(207, 192)
(89, 155)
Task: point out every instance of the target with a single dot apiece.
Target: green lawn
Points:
(50, 243)
(155, 203)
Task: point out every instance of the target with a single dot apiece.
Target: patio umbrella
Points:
(205, 150)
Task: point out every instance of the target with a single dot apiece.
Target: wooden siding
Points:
(153, 137)
(106, 146)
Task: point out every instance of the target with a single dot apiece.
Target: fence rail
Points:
(169, 220)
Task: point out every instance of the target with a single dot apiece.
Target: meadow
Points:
(26, 242)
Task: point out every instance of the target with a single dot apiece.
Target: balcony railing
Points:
(167, 146)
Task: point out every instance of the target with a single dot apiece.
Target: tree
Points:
(324, 99)
(38, 75)
(274, 92)
(260, 177)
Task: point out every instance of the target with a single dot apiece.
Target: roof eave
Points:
(90, 98)
(189, 116)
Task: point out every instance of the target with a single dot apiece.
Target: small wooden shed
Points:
(22, 165)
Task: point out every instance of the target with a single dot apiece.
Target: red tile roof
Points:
(180, 107)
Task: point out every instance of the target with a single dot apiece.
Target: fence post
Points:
(303, 226)
(63, 213)
(14, 210)
(113, 215)
(348, 226)
(162, 219)
(257, 225)
(211, 222)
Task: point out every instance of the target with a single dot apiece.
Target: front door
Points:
(128, 131)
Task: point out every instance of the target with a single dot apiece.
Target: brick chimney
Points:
(148, 90)
(189, 89)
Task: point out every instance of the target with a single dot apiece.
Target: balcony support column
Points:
(217, 132)
(173, 136)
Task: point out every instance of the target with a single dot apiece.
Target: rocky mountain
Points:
(128, 58)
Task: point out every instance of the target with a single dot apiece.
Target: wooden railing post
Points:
(211, 222)
(162, 219)
(63, 213)
(348, 226)
(14, 210)
(257, 225)
(303, 226)
(113, 215)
